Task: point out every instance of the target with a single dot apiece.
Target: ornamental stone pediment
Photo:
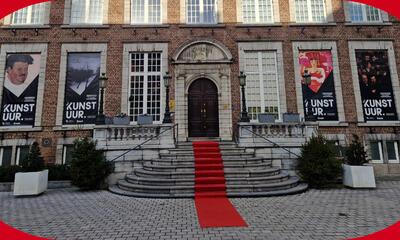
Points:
(202, 52)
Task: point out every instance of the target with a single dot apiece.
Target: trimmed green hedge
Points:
(56, 172)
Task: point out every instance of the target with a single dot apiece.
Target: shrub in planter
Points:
(317, 164)
(355, 174)
(59, 172)
(34, 161)
(89, 169)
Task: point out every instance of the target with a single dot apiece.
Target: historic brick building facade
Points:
(137, 42)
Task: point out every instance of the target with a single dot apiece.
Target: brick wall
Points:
(176, 35)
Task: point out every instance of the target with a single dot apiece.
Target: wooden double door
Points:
(203, 109)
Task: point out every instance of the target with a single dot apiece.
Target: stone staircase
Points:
(172, 175)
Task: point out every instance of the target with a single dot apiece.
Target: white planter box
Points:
(30, 183)
(358, 176)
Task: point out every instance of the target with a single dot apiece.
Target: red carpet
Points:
(9, 233)
(213, 207)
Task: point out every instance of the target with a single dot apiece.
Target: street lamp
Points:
(167, 114)
(100, 119)
(306, 77)
(242, 81)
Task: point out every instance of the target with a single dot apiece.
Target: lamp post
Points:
(306, 77)
(167, 114)
(242, 81)
(100, 119)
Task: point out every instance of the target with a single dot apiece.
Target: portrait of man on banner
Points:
(319, 97)
(375, 85)
(82, 88)
(20, 89)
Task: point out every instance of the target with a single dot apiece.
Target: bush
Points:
(59, 172)
(89, 169)
(34, 161)
(7, 173)
(355, 153)
(318, 165)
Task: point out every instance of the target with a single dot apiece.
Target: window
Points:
(376, 152)
(363, 13)
(201, 11)
(67, 154)
(5, 156)
(262, 92)
(145, 85)
(32, 15)
(146, 11)
(257, 11)
(392, 151)
(87, 12)
(310, 11)
(22, 153)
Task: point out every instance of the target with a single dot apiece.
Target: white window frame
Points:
(1, 155)
(68, 13)
(146, 13)
(29, 15)
(257, 12)
(261, 72)
(146, 75)
(380, 153)
(64, 154)
(363, 12)
(201, 9)
(18, 154)
(309, 13)
(396, 149)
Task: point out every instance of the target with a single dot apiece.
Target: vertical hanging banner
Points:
(20, 88)
(375, 85)
(319, 97)
(82, 88)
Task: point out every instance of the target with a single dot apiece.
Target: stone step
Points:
(300, 188)
(190, 167)
(191, 155)
(231, 188)
(227, 161)
(244, 173)
(190, 180)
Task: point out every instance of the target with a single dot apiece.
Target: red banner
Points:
(7, 7)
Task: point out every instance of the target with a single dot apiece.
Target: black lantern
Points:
(167, 114)
(306, 77)
(100, 119)
(242, 81)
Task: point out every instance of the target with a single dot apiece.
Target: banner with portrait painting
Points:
(20, 89)
(375, 85)
(82, 88)
(319, 97)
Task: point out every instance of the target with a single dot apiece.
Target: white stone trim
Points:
(142, 47)
(26, 48)
(275, 11)
(323, 45)
(374, 45)
(74, 48)
(268, 46)
(220, 10)
(328, 11)
(128, 13)
(68, 7)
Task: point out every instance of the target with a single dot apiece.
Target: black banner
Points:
(376, 85)
(82, 88)
(20, 90)
(319, 97)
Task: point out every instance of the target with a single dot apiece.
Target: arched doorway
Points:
(203, 109)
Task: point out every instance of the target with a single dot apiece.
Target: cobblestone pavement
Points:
(315, 214)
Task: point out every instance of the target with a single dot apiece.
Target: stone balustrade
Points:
(120, 137)
(284, 134)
